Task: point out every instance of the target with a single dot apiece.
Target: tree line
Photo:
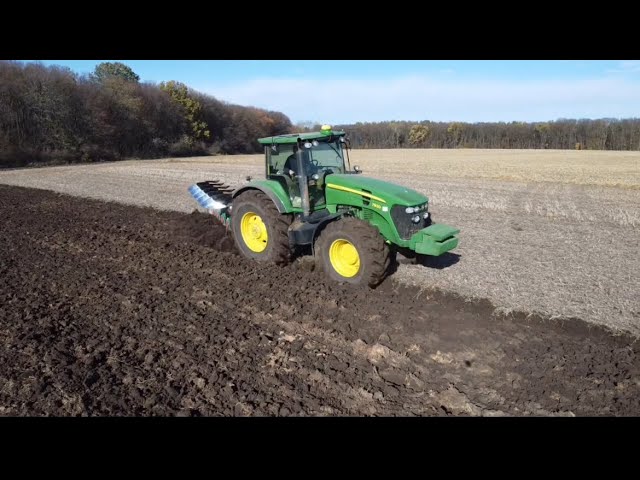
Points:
(51, 114)
(581, 134)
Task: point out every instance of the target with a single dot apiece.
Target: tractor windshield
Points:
(328, 155)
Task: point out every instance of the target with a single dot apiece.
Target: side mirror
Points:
(357, 169)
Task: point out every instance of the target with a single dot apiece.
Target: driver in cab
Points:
(292, 162)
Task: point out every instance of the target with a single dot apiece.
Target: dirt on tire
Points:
(277, 249)
(108, 309)
(375, 255)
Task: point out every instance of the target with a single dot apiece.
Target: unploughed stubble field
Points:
(551, 232)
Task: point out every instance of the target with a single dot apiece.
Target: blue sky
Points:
(348, 91)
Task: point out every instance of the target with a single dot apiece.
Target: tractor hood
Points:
(389, 193)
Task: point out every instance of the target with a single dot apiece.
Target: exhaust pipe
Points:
(303, 183)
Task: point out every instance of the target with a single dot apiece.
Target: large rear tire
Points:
(353, 251)
(259, 230)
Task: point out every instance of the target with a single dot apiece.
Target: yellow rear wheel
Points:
(344, 258)
(260, 231)
(254, 232)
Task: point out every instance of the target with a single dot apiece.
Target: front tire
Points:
(353, 251)
(259, 230)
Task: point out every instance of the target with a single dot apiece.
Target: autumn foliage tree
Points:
(418, 135)
(119, 70)
(179, 93)
(51, 114)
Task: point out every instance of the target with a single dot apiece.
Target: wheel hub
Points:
(254, 232)
(344, 258)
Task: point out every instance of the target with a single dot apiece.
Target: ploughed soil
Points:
(108, 309)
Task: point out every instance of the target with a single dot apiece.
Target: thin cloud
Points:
(630, 65)
(417, 98)
(627, 66)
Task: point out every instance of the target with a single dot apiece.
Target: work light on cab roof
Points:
(311, 201)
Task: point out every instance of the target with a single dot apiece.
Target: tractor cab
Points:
(301, 163)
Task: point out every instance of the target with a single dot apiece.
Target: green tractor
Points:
(311, 200)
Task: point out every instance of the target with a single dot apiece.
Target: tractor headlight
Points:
(425, 215)
(416, 218)
(417, 208)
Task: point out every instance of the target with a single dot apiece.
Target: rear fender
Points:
(268, 192)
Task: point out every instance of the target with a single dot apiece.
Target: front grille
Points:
(403, 223)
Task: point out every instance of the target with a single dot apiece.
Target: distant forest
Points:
(603, 134)
(53, 115)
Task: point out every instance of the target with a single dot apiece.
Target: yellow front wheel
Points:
(344, 258)
(254, 232)
(350, 250)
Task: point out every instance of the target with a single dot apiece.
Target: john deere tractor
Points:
(312, 201)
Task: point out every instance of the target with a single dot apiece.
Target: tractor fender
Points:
(269, 193)
(305, 233)
(320, 226)
(323, 223)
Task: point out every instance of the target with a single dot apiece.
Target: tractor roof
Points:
(294, 137)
